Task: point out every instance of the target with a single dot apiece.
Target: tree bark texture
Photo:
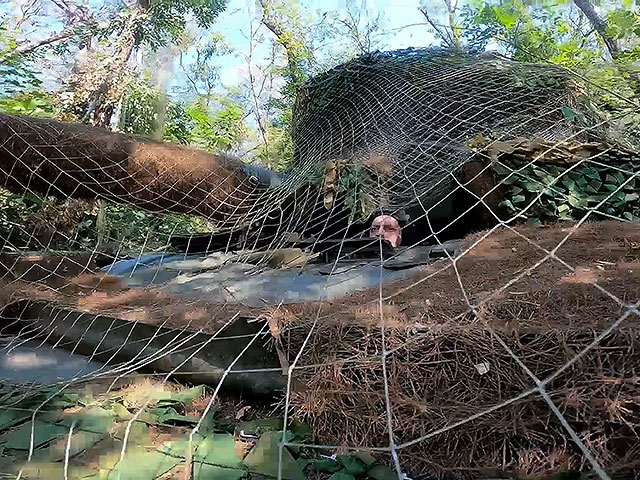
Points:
(64, 160)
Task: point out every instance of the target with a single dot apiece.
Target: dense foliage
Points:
(548, 193)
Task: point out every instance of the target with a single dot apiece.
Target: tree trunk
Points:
(101, 101)
(71, 160)
(599, 25)
(270, 21)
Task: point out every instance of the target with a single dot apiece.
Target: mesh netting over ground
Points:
(498, 339)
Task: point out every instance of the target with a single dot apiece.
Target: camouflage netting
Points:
(405, 118)
(513, 354)
(455, 397)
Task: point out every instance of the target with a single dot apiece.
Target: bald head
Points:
(387, 227)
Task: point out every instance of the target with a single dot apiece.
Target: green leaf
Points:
(382, 472)
(92, 419)
(300, 431)
(180, 446)
(66, 400)
(341, 476)
(510, 180)
(210, 424)
(567, 182)
(596, 185)
(582, 183)
(352, 464)
(505, 16)
(11, 418)
(20, 439)
(501, 169)
(631, 197)
(203, 471)
(264, 458)
(591, 172)
(218, 449)
(304, 462)
(507, 204)
(618, 198)
(260, 426)
(366, 458)
(140, 463)
(327, 465)
(597, 198)
(80, 441)
(576, 202)
(612, 179)
(568, 113)
(518, 199)
(185, 397)
(121, 411)
(533, 187)
(170, 417)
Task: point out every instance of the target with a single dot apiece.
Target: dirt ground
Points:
(467, 338)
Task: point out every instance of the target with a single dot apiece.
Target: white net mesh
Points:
(511, 351)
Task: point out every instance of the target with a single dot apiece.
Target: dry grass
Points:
(447, 363)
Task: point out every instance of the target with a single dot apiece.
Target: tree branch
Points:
(599, 25)
(443, 34)
(26, 48)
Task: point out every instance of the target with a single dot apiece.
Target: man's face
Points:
(387, 227)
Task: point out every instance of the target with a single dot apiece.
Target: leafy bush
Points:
(31, 222)
(130, 229)
(353, 183)
(15, 74)
(36, 103)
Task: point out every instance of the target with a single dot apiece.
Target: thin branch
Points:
(600, 25)
(27, 10)
(455, 34)
(254, 96)
(442, 33)
(186, 73)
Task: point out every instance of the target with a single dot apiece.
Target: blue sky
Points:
(399, 19)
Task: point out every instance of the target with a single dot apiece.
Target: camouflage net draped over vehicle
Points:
(403, 120)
